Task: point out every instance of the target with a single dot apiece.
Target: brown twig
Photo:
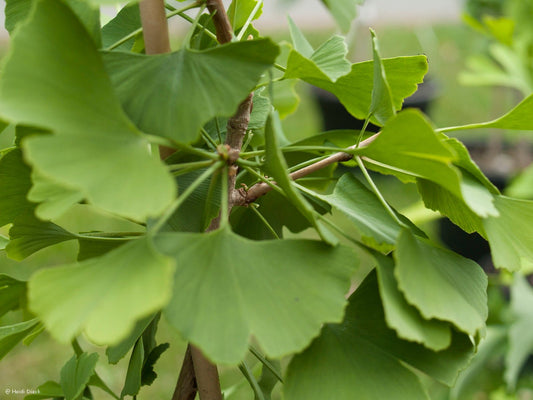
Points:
(155, 27)
(220, 20)
(244, 198)
(186, 387)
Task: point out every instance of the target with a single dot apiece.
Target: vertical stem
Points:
(186, 386)
(155, 27)
(221, 21)
(206, 376)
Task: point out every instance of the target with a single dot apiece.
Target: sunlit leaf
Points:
(351, 357)
(461, 298)
(404, 318)
(511, 234)
(108, 159)
(239, 10)
(105, 311)
(76, 373)
(175, 94)
(227, 288)
(127, 20)
(328, 62)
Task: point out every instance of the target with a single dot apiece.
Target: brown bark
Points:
(155, 27)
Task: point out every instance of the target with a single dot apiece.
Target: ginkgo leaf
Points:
(276, 166)
(461, 297)
(520, 331)
(351, 357)
(11, 335)
(175, 94)
(105, 311)
(227, 288)
(344, 11)
(239, 11)
(354, 90)
(12, 293)
(328, 62)
(76, 373)
(381, 106)
(404, 318)
(510, 234)
(108, 159)
(14, 185)
(127, 20)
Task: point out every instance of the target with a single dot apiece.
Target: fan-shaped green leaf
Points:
(108, 159)
(511, 234)
(227, 288)
(381, 106)
(76, 373)
(175, 94)
(403, 317)
(349, 358)
(240, 10)
(354, 90)
(105, 311)
(461, 297)
(115, 353)
(127, 20)
(328, 62)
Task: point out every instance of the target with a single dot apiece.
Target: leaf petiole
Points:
(249, 375)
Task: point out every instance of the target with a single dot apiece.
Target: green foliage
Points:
(90, 112)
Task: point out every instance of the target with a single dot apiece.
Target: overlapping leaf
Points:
(12, 293)
(461, 298)
(240, 10)
(351, 357)
(344, 11)
(11, 335)
(328, 62)
(14, 185)
(404, 318)
(511, 234)
(276, 166)
(175, 94)
(105, 311)
(76, 373)
(227, 288)
(127, 20)
(108, 159)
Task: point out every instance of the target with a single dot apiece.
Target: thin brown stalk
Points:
(220, 20)
(155, 27)
(260, 189)
(186, 387)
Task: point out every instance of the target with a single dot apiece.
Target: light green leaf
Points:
(108, 159)
(354, 90)
(132, 385)
(520, 331)
(227, 288)
(381, 106)
(29, 235)
(14, 185)
(47, 390)
(76, 373)
(352, 357)
(115, 353)
(125, 22)
(3, 242)
(286, 100)
(362, 207)
(441, 284)
(522, 185)
(12, 293)
(510, 235)
(201, 85)
(17, 11)
(403, 317)
(276, 166)
(53, 197)
(344, 11)
(327, 63)
(239, 10)
(11, 335)
(105, 311)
